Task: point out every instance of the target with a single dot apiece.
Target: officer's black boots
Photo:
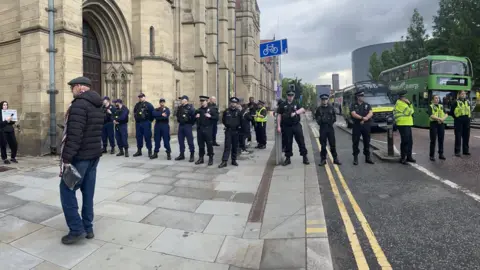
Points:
(126, 152)
(169, 157)
(121, 153)
(154, 156)
(323, 161)
(305, 160)
(192, 157)
(210, 160)
(200, 161)
(138, 153)
(216, 144)
(369, 160)
(403, 160)
(411, 159)
(104, 151)
(112, 151)
(180, 157)
(336, 161)
(287, 161)
(234, 163)
(355, 160)
(223, 164)
(441, 156)
(149, 152)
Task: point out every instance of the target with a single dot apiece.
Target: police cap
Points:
(106, 98)
(360, 94)
(402, 93)
(290, 93)
(118, 101)
(183, 97)
(141, 95)
(204, 98)
(162, 100)
(261, 102)
(234, 100)
(81, 80)
(324, 96)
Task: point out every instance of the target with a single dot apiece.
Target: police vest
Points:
(258, 114)
(403, 113)
(437, 110)
(462, 109)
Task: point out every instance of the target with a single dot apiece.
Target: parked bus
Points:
(376, 94)
(440, 75)
(337, 102)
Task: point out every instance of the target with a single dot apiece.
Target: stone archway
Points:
(110, 29)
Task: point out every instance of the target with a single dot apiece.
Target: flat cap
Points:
(290, 93)
(106, 98)
(183, 97)
(234, 100)
(81, 80)
(360, 94)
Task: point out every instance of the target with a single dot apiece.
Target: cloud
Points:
(322, 33)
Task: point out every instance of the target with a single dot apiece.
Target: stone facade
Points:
(163, 48)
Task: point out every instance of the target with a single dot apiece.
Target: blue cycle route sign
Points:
(273, 48)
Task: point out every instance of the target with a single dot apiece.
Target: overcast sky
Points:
(323, 33)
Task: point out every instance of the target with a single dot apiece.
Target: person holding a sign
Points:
(7, 135)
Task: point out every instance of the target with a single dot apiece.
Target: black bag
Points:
(71, 177)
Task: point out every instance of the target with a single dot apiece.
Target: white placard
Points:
(8, 113)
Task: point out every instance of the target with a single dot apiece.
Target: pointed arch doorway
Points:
(92, 59)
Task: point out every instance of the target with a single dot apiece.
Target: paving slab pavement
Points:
(170, 215)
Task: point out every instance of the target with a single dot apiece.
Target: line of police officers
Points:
(236, 120)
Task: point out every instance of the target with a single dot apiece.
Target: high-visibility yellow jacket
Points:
(403, 113)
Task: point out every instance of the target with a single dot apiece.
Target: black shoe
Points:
(104, 151)
(169, 157)
(112, 151)
(90, 235)
(126, 152)
(210, 161)
(369, 160)
(323, 161)
(72, 239)
(458, 155)
(199, 161)
(154, 156)
(441, 156)
(234, 163)
(216, 144)
(411, 160)
(222, 165)
(355, 160)
(403, 161)
(180, 157)
(262, 147)
(287, 161)
(336, 161)
(138, 153)
(6, 161)
(121, 153)
(149, 152)
(467, 154)
(305, 160)
(432, 158)
(192, 157)
(13, 160)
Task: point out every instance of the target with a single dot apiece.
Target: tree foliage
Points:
(307, 91)
(376, 67)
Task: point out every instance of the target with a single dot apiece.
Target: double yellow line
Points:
(350, 229)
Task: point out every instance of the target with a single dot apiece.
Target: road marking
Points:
(377, 250)
(478, 137)
(316, 230)
(351, 233)
(313, 222)
(377, 141)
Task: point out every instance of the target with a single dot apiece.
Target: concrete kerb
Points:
(378, 150)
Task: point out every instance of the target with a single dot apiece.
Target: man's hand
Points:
(115, 122)
(208, 115)
(279, 129)
(8, 119)
(197, 116)
(109, 112)
(164, 114)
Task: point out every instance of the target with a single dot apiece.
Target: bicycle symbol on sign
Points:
(270, 48)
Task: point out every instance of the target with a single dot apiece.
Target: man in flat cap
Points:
(289, 116)
(108, 127)
(261, 119)
(325, 117)
(143, 111)
(121, 127)
(206, 118)
(81, 148)
(161, 129)
(186, 120)
(232, 120)
(361, 113)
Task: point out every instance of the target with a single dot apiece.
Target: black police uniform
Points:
(108, 131)
(284, 137)
(325, 117)
(186, 119)
(292, 128)
(245, 132)
(213, 106)
(232, 120)
(204, 131)
(143, 125)
(360, 129)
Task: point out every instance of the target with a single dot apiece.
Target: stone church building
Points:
(163, 48)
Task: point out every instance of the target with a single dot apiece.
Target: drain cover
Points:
(4, 168)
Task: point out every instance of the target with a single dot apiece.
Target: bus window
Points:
(423, 68)
(414, 100)
(446, 98)
(413, 71)
(450, 67)
(405, 71)
(423, 102)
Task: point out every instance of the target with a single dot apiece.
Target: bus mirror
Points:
(425, 95)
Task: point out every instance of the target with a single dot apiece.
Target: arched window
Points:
(123, 87)
(152, 40)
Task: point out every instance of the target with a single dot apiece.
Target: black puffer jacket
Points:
(84, 128)
(4, 125)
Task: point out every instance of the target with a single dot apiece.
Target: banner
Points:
(8, 113)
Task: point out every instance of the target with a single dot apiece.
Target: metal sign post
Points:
(390, 144)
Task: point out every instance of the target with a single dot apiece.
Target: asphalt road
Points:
(418, 222)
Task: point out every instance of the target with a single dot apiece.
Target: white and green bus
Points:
(441, 75)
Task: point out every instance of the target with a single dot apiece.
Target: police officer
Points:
(325, 117)
(186, 120)
(403, 113)
(121, 127)
(212, 102)
(462, 113)
(161, 129)
(289, 115)
(284, 137)
(261, 119)
(206, 118)
(108, 130)
(232, 120)
(143, 124)
(361, 113)
(437, 127)
(245, 131)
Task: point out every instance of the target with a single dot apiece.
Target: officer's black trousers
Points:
(204, 137)
(327, 132)
(406, 141)
(10, 139)
(363, 131)
(231, 144)
(261, 133)
(462, 134)
(437, 130)
(294, 131)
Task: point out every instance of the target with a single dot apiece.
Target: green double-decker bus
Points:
(441, 75)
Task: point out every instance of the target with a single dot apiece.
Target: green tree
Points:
(308, 97)
(414, 45)
(375, 68)
(386, 59)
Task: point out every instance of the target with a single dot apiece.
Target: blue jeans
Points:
(77, 225)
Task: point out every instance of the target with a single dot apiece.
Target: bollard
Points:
(278, 143)
(391, 152)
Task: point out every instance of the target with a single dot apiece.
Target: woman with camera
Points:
(7, 136)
